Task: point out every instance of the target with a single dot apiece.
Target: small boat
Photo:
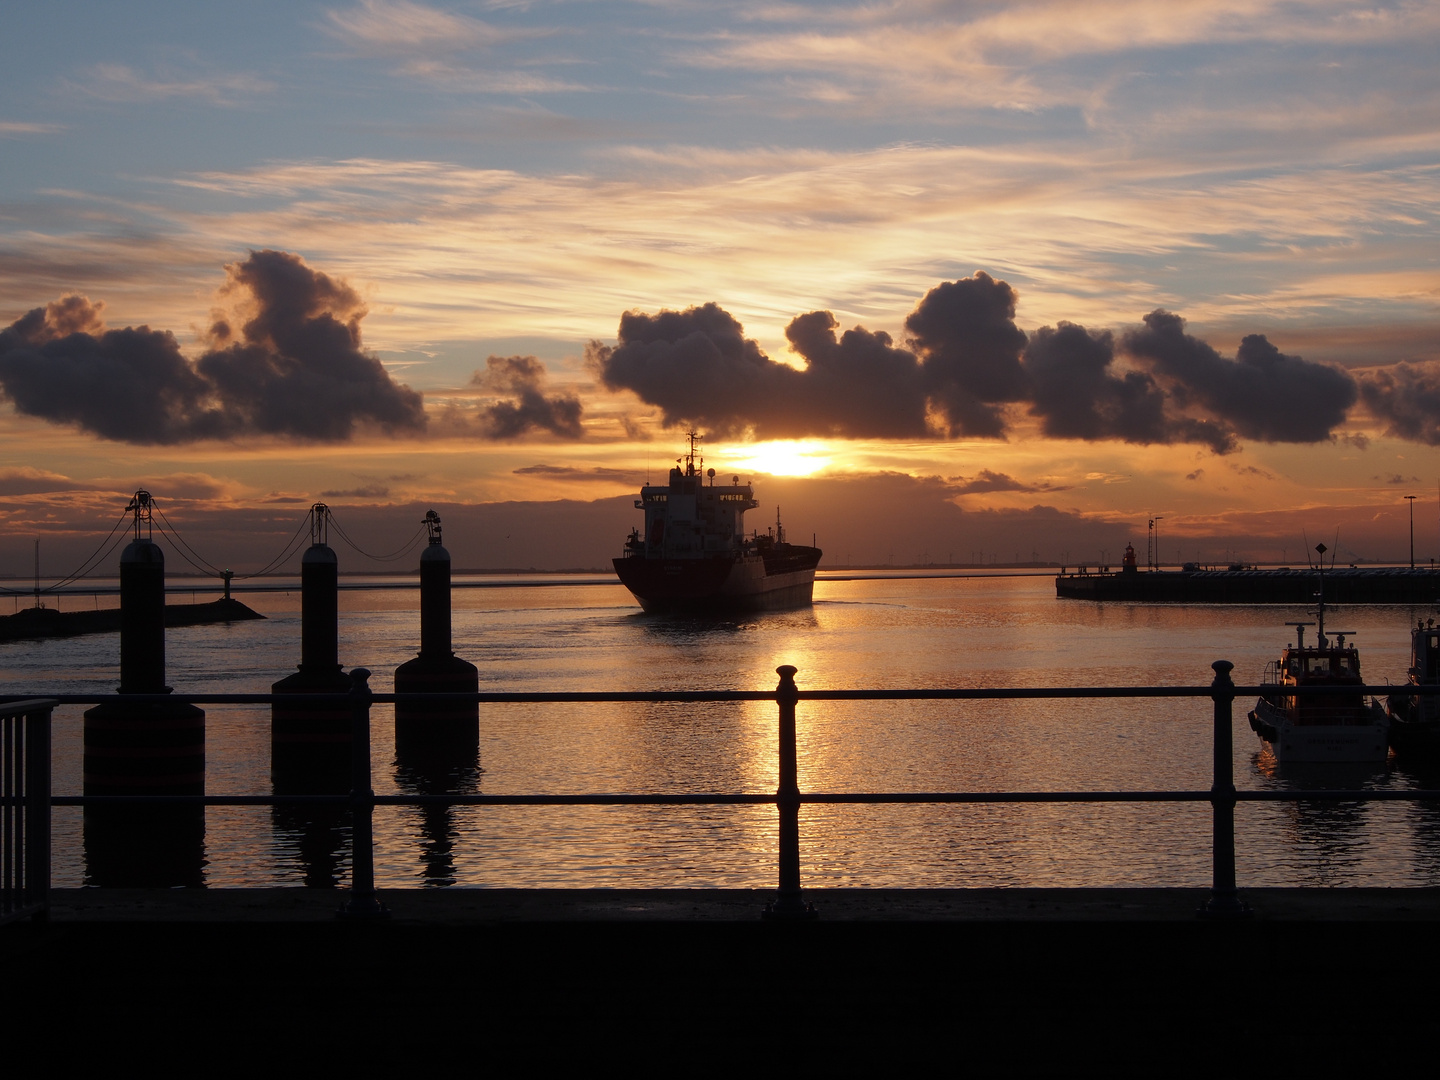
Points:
(1319, 727)
(1415, 718)
(694, 558)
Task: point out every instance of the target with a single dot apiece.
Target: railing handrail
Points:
(967, 693)
(788, 798)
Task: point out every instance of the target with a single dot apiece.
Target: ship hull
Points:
(722, 585)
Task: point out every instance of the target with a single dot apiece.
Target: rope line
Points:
(89, 564)
(170, 531)
(291, 546)
(408, 547)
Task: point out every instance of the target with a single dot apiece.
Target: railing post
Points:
(788, 902)
(37, 812)
(363, 903)
(1224, 902)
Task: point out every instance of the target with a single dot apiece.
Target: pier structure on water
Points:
(1343, 585)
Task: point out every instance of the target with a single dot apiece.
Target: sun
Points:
(784, 457)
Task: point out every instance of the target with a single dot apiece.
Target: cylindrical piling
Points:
(311, 743)
(144, 748)
(451, 727)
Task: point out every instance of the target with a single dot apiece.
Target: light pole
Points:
(1411, 500)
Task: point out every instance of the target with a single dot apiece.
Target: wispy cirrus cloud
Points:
(120, 82)
(403, 27)
(10, 129)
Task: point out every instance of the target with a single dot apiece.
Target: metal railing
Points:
(1223, 901)
(25, 809)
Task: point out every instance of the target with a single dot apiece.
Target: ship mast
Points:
(695, 440)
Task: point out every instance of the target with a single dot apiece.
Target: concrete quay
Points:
(512, 982)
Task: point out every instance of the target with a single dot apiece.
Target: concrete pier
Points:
(987, 982)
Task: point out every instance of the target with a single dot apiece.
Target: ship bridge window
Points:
(1318, 665)
(656, 497)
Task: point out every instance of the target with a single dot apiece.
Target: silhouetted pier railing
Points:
(25, 813)
(1223, 902)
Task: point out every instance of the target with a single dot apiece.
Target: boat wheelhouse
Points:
(1415, 717)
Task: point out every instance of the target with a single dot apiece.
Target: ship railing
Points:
(1223, 900)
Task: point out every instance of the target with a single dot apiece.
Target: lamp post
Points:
(1411, 500)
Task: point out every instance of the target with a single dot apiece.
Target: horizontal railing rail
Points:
(1223, 901)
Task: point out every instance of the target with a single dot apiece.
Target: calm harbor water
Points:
(978, 631)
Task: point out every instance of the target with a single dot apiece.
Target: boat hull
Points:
(1368, 739)
(1414, 739)
(721, 585)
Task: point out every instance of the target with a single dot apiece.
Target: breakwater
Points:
(50, 623)
(1343, 585)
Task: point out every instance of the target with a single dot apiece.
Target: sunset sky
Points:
(1084, 264)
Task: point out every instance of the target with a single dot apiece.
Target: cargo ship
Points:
(693, 557)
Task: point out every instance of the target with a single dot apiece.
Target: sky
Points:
(947, 281)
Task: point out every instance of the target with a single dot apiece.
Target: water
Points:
(982, 631)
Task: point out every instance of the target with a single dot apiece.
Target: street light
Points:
(1411, 499)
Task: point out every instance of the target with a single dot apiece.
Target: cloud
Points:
(1395, 479)
(11, 128)
(965, 333)
(367, 491)
(1406, 398)
(116, 82)
(570, 472)
(1262, 393)
(1077, 396)
(523, 378)
(970, 366)
(987, 481)
(699, 368)
(401, 26)
(294, 368)
(32, 481)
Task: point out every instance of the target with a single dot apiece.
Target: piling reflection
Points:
(437, 769)
(315, 837)
(145, 847)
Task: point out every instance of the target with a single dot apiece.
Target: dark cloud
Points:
(367, 491)
(295, 368)
(1263, 394)
(699, 368)
(131, 385)
(1196, 475)
(569, 472)
(970, 363)
(965, 334)
(1075, 392)
(987, 481)
(298, 368)
(1396, 479)
(523, 379)
(29, 481)
(1406, 398)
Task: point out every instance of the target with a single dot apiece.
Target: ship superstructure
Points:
(692, 553)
